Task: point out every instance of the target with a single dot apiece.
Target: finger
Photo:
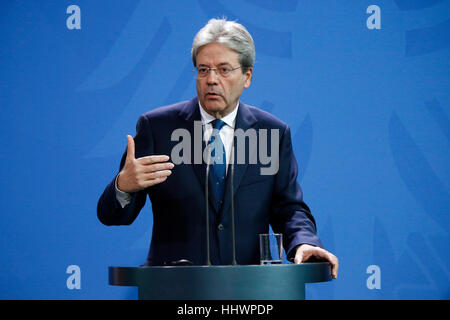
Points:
(318, 253)
(130, 148)
(157, 167)
(334, 267)
(332, 259)
(334, 272)
(159, 180)
(153, 159)
(307, 255)
(152, 182)
(156, 175)
(298, 257)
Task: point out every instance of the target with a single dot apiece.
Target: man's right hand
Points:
(141, 173)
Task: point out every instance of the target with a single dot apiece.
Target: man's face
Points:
(219, 95)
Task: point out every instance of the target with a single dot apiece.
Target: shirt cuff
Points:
(124, 198)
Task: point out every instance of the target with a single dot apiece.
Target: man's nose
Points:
(212, 77)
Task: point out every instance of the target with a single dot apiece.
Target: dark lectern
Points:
(249, 282)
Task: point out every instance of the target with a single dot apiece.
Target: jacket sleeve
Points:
(290, 214)
(109, 210)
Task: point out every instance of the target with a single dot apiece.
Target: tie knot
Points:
(217, 124)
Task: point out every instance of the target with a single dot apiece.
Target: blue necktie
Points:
(218, 167)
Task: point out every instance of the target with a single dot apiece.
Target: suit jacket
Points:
(179, 204)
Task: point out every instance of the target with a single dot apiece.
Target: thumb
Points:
(130, 148)
(298, 257)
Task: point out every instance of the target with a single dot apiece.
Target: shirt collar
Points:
(229, 119)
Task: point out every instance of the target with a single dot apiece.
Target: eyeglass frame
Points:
(216, 70)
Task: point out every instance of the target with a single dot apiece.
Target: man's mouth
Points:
(212, 95)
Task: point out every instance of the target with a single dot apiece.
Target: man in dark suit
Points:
(223, 54)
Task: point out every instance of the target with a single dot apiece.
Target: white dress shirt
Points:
(226, 134)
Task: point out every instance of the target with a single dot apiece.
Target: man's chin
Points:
(213, 107)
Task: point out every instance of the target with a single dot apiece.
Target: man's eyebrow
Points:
(219, 65)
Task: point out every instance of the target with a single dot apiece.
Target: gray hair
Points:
(230, 34)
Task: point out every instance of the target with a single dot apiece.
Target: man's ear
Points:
(248, 77)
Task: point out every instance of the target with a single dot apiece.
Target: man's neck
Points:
(229, 118)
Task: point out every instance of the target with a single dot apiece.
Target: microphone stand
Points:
(233, 236)
(208, 259)
(233, 231)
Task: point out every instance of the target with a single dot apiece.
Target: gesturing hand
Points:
(141, 173)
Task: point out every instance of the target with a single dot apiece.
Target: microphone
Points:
(182, 262)
(208, 259)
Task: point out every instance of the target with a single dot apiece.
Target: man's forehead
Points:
(217, 55)
(216, 49)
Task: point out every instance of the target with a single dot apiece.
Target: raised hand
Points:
(141, 173)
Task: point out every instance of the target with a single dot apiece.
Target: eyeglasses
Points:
(224, 72)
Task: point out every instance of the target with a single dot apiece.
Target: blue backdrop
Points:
(364, 86)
